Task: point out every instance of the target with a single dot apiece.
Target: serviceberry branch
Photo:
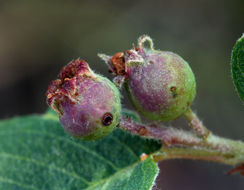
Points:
(181, 144)
(160, 85)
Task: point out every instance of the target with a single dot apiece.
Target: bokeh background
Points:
(38, 37)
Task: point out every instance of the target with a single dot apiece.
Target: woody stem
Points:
(187, 145)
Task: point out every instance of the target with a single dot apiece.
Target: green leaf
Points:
(237, 63)
(36, 153)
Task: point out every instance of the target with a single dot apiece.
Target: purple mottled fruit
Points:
(160, 84)
(88, 104)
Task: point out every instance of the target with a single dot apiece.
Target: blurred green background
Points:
(38, 37)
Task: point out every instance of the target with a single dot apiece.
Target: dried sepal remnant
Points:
(75, 68)
(115, 63)
(160, 84)
(65, 87)
(118, 63)
(239, 168)
(88, 104)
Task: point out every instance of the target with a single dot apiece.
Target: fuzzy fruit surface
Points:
(160, 84)
(162, 87)
(88, 104)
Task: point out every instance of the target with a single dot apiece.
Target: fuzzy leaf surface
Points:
(237, 63)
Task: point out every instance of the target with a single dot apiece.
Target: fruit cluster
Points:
(160, 85)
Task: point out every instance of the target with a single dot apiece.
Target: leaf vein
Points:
(126, 169)
(126, 147)
(62, 170)
(70, 142)
(10, 181)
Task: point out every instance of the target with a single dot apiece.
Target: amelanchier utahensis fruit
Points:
(160, 84)
(88, 104)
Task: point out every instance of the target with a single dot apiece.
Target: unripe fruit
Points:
(88, 104)
(160, 84)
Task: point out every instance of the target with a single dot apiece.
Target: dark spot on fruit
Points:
(188, 104)
(173, 91)
(107, 119)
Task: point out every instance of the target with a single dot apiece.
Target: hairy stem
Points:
(194, 154)
(196, 124)
(216, 149)
(187, 145)
(169, 136)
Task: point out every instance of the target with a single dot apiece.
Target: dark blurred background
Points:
(38, 37)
